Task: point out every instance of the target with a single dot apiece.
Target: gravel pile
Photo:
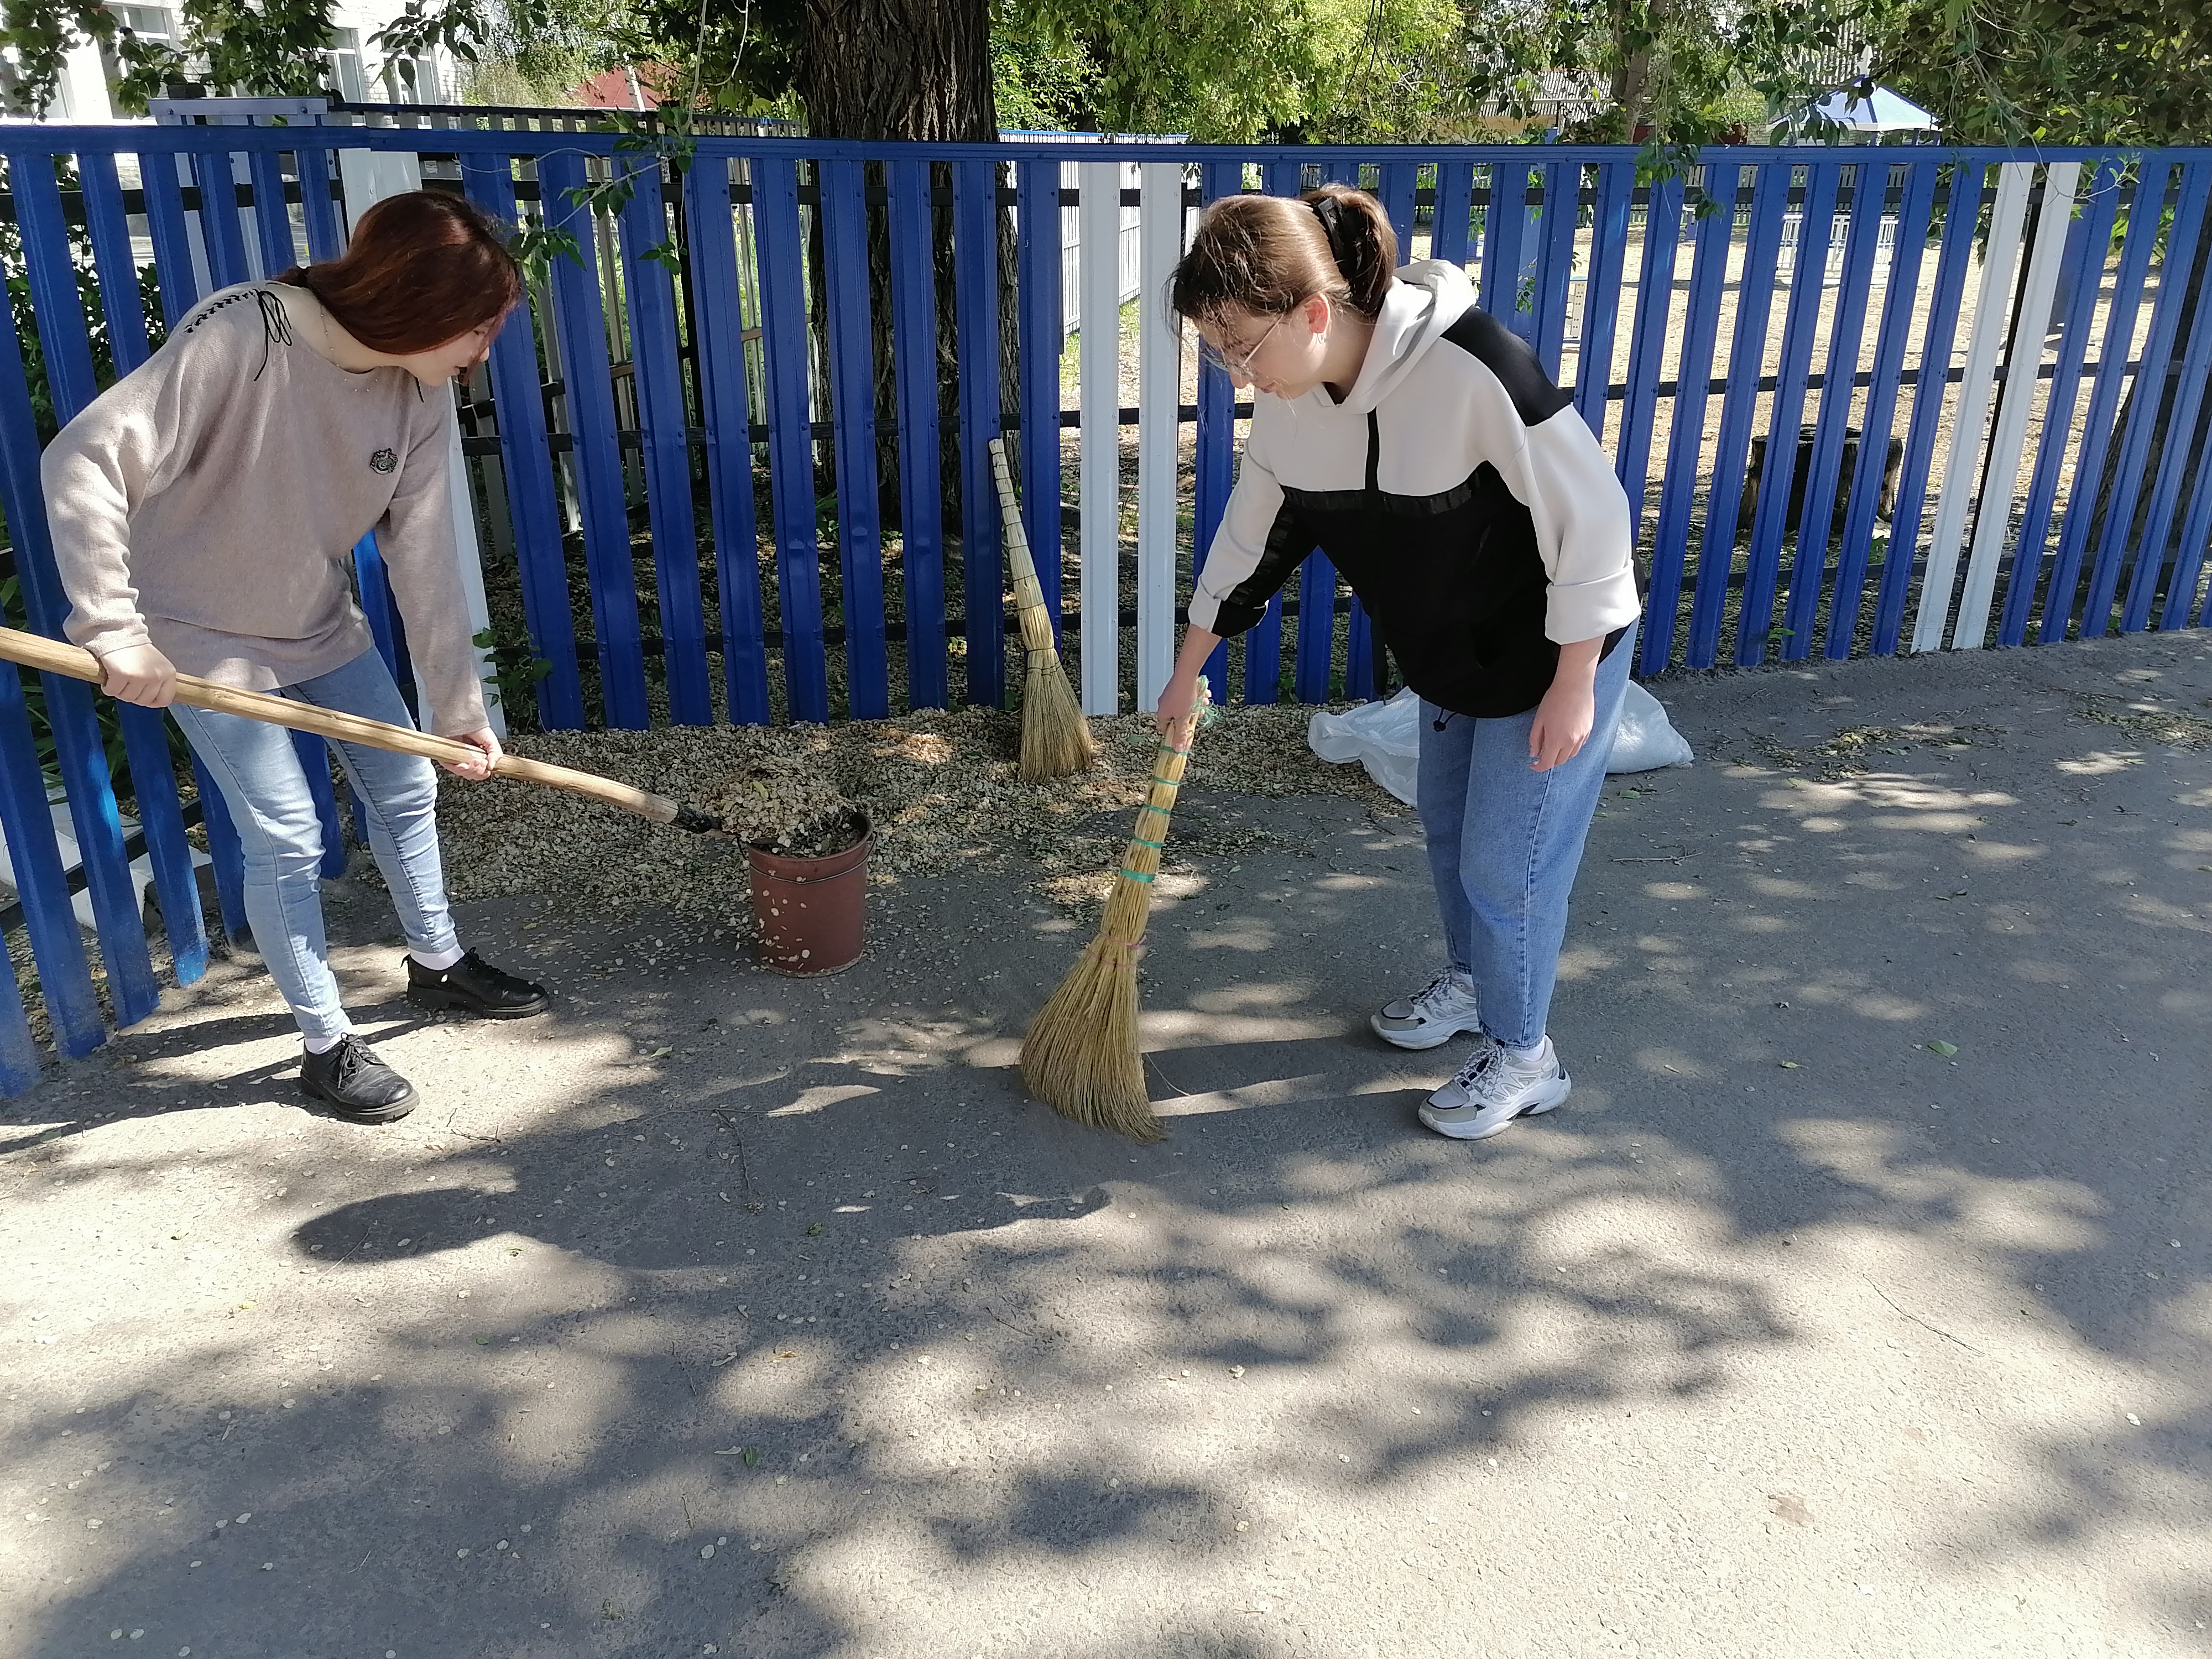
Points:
(939, 787)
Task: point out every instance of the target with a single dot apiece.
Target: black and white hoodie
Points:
(1457, 490)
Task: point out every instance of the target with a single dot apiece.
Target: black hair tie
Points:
(1331, 215)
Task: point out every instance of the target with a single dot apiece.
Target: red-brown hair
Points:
(423, 268)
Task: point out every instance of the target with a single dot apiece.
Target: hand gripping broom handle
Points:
(1029, 598)
(53, 657)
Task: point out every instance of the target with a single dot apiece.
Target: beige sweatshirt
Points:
(208, 503)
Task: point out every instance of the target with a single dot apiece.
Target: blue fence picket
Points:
(1746, 357)
(1649, 333)
(921, 500)
(226, 855)
(1908, 245)
(272, 217)
(222, 236)
(321, 212)
(1808, 563)
(2118, 541)
(717, 333)
(2144, 232)
(1961, 217)
(56, 946)
(2180, 603)
(67, 349)
(526, 462)
(2196, 361)
(1555, 260)
(1448, 231)
(1687, 435)
(853, 403)
(2188, 566)
(1216, 457)
(1504, 226)
(579, 317)
(1037, 212)
(976, 316)
(790, 441)
(1601, 296)
(1360, 661)
(145, 730)
(19, 1053)
(166, 227)
(665, 438)
(1317, 630)
(1395, 190)
(2088, 243)
(168, 230)
(1801, 320)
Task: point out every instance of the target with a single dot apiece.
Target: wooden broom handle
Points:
(53, 657)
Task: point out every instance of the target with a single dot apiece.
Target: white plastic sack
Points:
(1645, 740)
(1385, 737)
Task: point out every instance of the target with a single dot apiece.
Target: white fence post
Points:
(1159, 420)
(1971, 420)
(1100, 497)
(2001, 477)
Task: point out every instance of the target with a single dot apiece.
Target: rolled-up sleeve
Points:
(1581, 517)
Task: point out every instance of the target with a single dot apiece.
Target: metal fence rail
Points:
(1863, 400)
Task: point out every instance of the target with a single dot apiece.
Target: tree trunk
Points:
(916, 69)
(919, 71)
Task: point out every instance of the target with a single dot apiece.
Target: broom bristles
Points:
(1056, 740)
(1080, 1055)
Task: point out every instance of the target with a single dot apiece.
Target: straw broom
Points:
(1055, 738)
(1080, 1054)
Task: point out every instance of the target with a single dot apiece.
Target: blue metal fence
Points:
(1861, 400)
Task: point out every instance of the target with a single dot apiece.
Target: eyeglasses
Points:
(1237, 362)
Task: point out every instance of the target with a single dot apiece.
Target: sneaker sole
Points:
(446, 1002)
(1468, 1131)
(1420, 1039)
(371, 1116)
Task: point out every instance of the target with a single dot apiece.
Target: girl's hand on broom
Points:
(139, 674)
(1178, 706)
(486, 743)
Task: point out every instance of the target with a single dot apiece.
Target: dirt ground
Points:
(1858, 1302)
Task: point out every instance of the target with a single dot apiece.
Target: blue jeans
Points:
(1504, 842)
(262, 780)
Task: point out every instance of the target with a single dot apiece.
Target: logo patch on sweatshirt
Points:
(385, 460)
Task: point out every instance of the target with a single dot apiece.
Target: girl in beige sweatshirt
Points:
(204, 509)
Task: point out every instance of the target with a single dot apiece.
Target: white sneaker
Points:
(1440, 1010)
(1493, 1088)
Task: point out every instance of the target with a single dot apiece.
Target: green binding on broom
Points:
(1080, 1055)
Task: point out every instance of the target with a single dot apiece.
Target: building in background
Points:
(354, 70)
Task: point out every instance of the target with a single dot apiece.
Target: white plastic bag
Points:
(1385, 737)
(1645, 740)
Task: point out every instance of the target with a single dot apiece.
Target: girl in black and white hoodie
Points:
(1420, 443)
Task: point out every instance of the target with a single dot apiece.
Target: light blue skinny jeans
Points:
(263, 781)
(1504, 842)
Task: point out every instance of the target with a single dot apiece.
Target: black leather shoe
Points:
(473, 986)
(356, 1084)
